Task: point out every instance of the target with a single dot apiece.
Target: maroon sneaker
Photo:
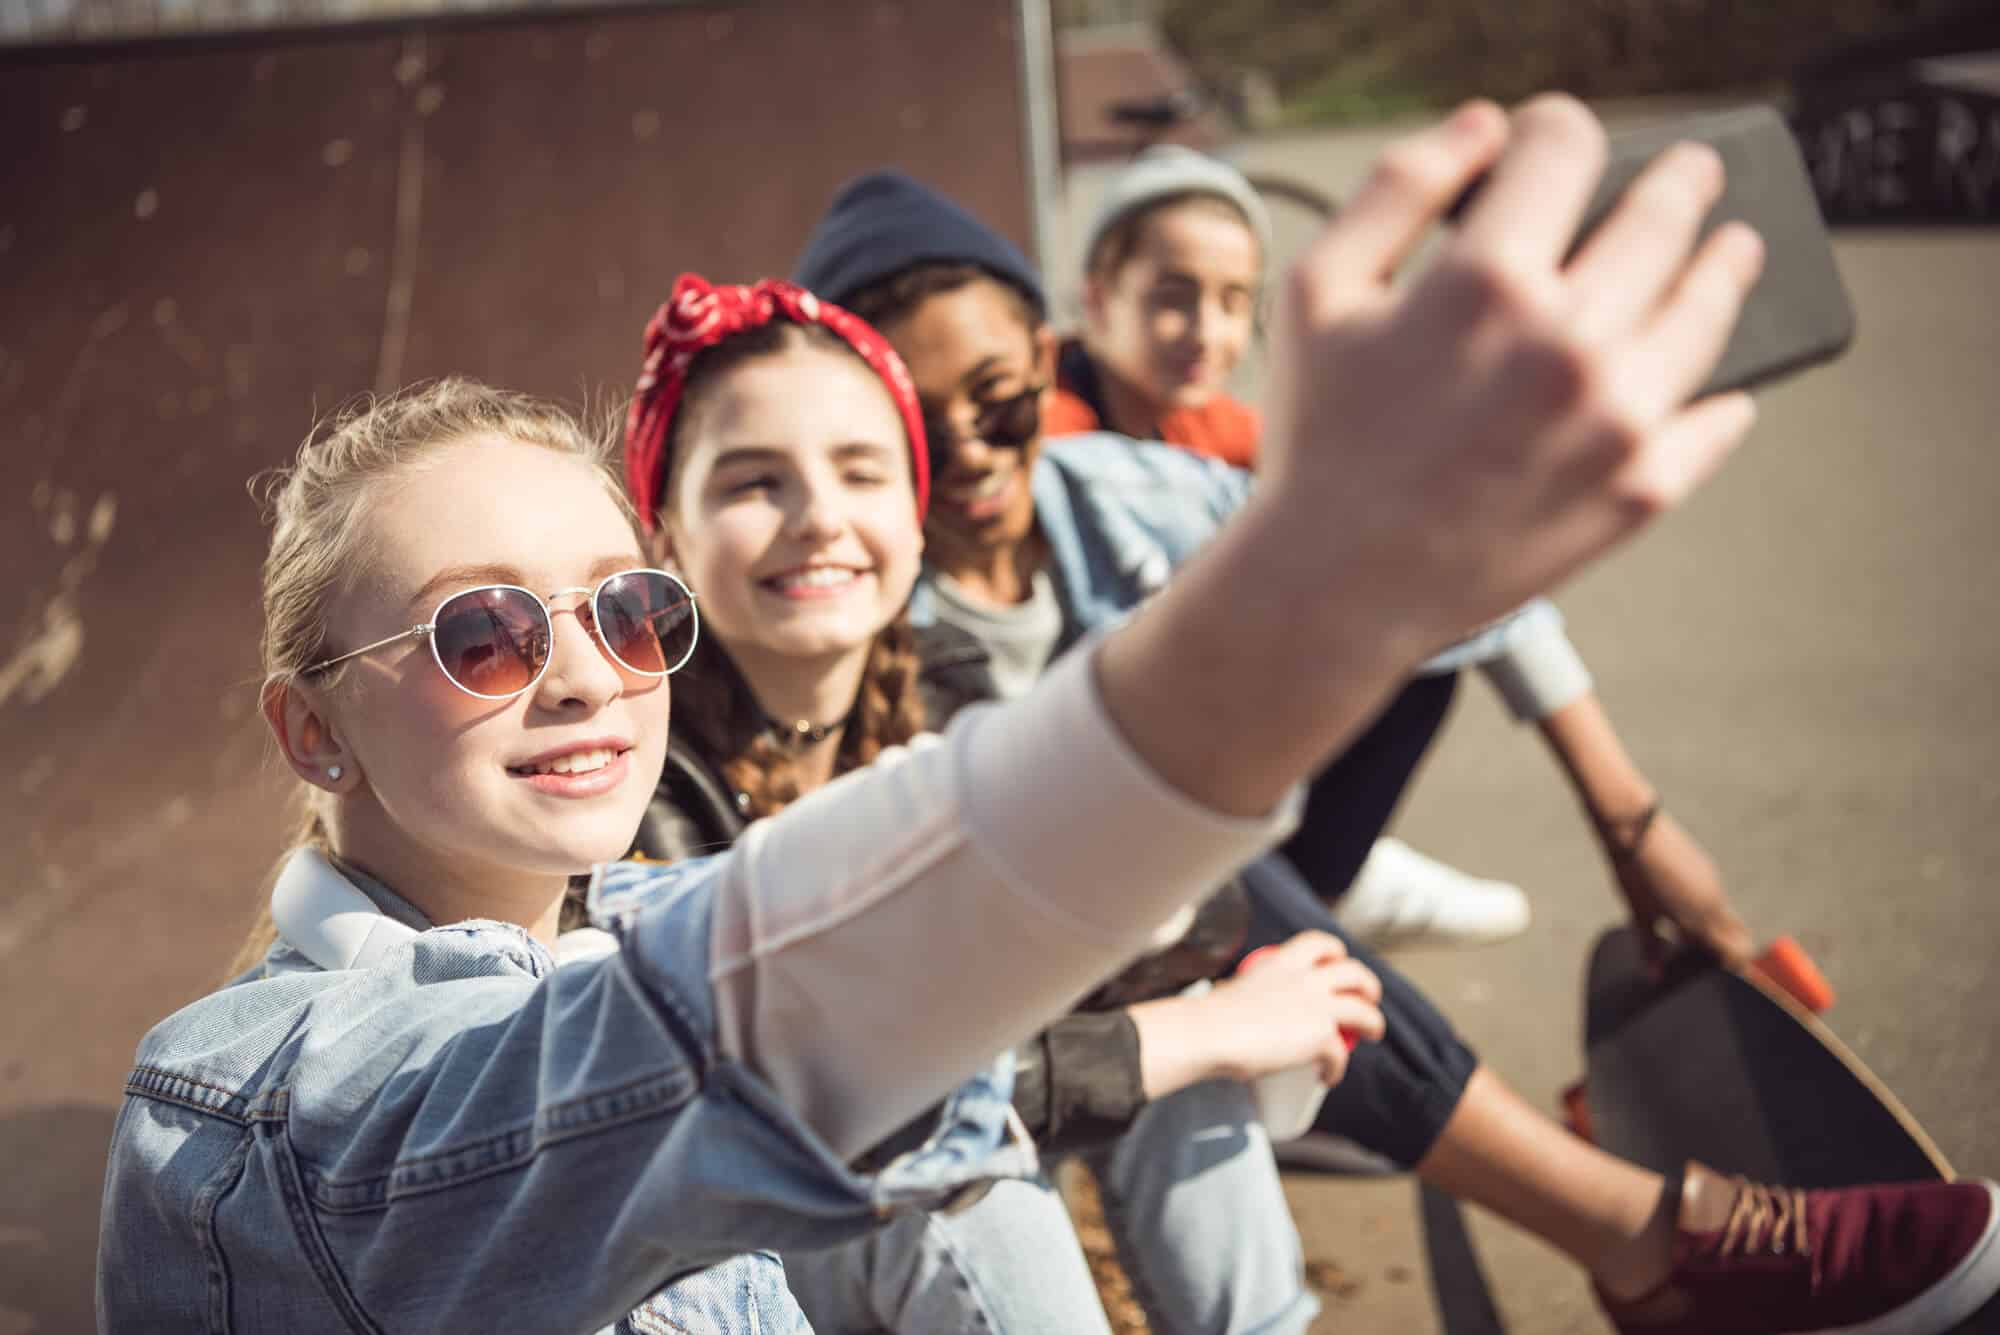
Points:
(1913, 1259)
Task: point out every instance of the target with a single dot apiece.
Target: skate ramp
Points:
(204, 243)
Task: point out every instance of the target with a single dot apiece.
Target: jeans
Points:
(1192, 1197)
(1350, 802)
(1009, 1263)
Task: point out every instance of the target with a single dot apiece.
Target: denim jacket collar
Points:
(341, 918)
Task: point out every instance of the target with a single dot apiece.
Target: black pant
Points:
(1350, 802)
(1398, 1093)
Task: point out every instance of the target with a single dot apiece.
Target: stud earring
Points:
(333, 772)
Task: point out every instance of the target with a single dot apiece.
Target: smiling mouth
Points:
(817, 579)
(576, 762)
(983, 498)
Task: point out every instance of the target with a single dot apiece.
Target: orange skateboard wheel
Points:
(1576, 1113)
(1786, 964)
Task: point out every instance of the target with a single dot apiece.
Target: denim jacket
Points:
(301, 1150)
(1120, 516)
(444, 1131)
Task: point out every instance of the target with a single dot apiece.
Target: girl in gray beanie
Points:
(1174, 258)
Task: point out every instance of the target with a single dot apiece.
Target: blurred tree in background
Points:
(1356, 58)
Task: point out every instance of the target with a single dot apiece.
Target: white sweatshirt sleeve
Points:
(879, 940)
(1536, 669)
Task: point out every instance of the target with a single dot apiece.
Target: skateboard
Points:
(1734, 1068)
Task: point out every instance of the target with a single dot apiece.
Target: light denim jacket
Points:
(1120, 516)
(442, 1131)
(305, 1149)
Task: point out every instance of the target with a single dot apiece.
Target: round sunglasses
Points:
(1005, 424)
(493, 642)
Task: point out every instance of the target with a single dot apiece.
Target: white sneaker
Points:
(1402, 897)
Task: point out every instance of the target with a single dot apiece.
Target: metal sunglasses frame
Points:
(984, 420)
(427, 629)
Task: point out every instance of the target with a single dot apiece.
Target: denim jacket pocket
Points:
(272, 1136)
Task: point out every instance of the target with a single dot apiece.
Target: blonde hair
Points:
(318, 509)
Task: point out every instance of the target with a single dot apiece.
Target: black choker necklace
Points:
(804, 732)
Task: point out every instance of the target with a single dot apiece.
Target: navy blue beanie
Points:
(885, 222)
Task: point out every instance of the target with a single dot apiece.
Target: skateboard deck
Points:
(1727, 1067)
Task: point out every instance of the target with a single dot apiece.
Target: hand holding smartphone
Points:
(1798, 315)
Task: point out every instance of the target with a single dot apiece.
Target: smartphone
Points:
(1798, 315)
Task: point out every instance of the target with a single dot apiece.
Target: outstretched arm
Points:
(1439, 453)
(1666, 876)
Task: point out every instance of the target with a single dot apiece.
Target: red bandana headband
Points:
(700, 315)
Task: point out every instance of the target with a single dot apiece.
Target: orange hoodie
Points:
(1223, 428)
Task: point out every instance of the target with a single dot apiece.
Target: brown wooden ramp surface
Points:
(203, 242)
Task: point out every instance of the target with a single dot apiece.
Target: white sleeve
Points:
(1537, 670)
(880, 939)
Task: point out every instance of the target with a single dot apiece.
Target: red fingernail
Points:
(1349, 1037)
(1254, 958)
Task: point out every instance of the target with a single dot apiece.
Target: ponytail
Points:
(310, 832)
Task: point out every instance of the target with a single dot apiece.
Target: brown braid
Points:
(890, 708)
(716, 711)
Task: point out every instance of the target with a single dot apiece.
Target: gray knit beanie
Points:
(1166, 170)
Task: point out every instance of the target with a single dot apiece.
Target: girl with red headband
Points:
(776, 450)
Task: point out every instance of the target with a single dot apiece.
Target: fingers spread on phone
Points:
(1687, 335)
(1686, 452)
(1529, 208)
(1412, 183)
(1630, 261)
